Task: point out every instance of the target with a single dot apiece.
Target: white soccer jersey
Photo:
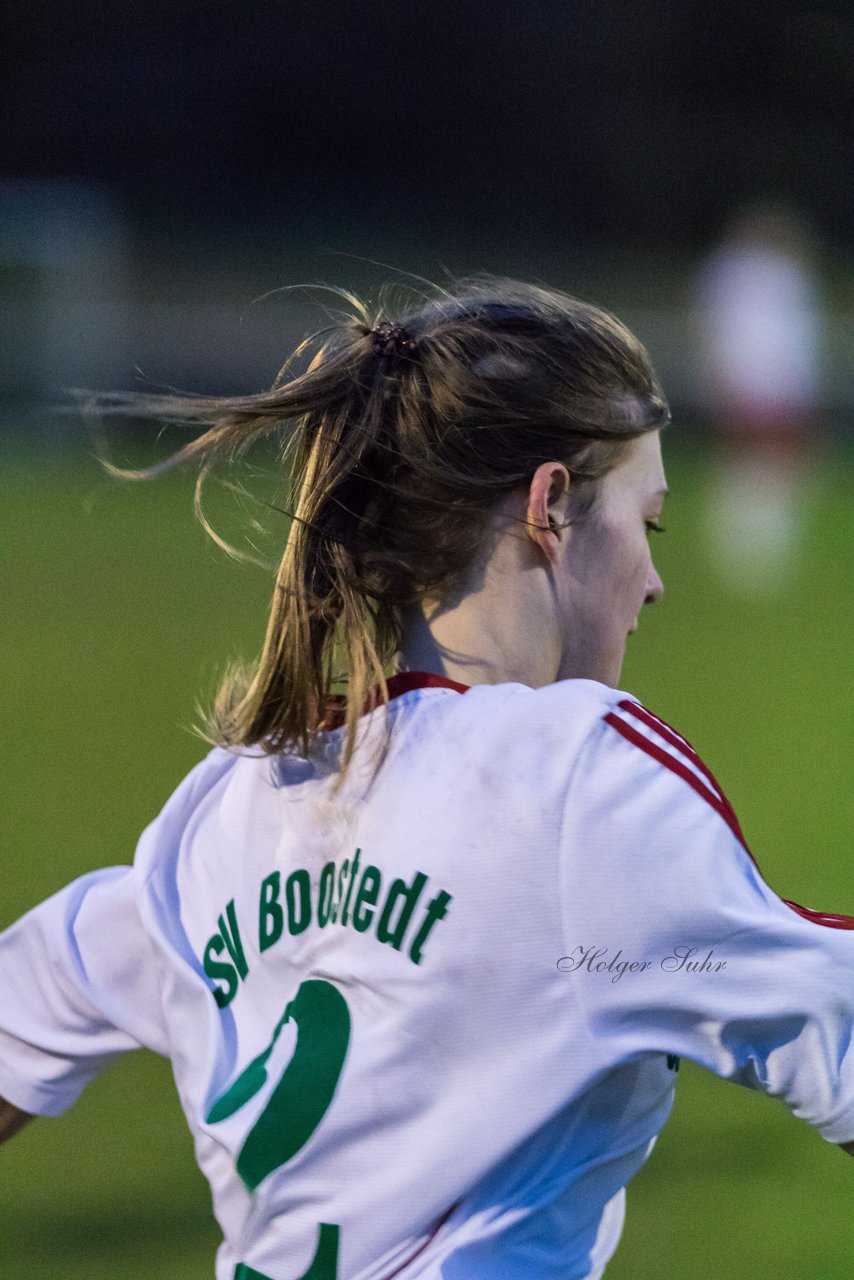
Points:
(430, 1028)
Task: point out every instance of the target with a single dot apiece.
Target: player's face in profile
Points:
(608, 574)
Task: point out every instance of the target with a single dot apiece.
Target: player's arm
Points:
(753, 987)
(79, 990)
(12, 1120)
(81, 976)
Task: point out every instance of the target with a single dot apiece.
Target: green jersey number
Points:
(296, 1105)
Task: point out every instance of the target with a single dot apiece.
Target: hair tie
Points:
(393, 340)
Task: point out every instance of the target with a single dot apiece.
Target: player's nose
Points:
(654, 586)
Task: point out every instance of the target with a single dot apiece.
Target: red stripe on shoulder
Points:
(657, 722)
(682, 771)
(670, 735)
(675, 739)
(713, 794)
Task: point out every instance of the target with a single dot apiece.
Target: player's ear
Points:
(548, 501)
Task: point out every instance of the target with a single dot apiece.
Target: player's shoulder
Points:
(512, 731)
(217, 767)
(553, 713)
(638, 742)
(644, 728)
(208, 780)
(595, 743)
(597, 714)
(628, 720)
(584, 698)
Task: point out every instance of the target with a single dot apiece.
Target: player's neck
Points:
(469, 645)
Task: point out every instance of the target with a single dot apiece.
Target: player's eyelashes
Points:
(654, 527)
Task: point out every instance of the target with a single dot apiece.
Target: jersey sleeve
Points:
(78, 989)
(82, 974)
(674, 942)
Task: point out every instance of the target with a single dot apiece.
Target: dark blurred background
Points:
(166, 171)
(164, 164)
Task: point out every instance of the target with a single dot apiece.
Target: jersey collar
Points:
(401, 682)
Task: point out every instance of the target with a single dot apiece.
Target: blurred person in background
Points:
(761, 346)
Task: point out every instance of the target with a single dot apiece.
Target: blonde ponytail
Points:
(398, 452)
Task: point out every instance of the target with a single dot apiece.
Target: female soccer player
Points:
(425, 957)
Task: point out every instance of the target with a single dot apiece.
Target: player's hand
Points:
(11, 1120)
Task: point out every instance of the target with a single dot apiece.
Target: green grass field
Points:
(117, 614)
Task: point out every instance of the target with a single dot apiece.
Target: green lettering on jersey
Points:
(220, 970)
(369, 892)
(300, 1099)
(353, 870)
(395, 911)
(407, 896)
(324, 900)
(436, 910)
(271, 917)
(323, 1266)
(230, 931)
(298, 898)
(296, 1106)
(345, 866)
